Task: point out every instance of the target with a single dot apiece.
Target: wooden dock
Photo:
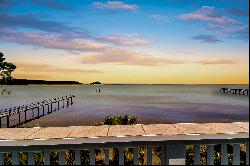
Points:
(19, 115)
(235, 91)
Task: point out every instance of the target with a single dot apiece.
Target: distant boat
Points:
(95, 83)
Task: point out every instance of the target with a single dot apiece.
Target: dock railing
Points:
(19, 115)
(173, 140)
(244, 92)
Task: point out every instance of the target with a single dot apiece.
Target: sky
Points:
(127, 41)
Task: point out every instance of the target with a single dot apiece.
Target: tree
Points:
(5, 73)
(5, 69)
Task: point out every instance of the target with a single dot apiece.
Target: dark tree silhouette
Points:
(5, 74)
(5, 69)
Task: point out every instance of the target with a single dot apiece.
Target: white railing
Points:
(173, 149)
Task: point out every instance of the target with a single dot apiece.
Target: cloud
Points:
(52, 4)
(98, 52)
(126, 57)
(159, 18)
(125, 39)
(46, 68)
(206, 38)
(55, 41)
(207, 13)
(4, 3)
(217, 61)
(217, 22)
(239, 32)
(238, 12)
(52, 41)
(32, 75)
(115, 5)
(28, 21)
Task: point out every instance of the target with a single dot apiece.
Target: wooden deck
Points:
(179, 129)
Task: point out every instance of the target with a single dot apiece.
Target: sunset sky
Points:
(127, 41)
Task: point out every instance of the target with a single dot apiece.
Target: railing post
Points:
(224, 157)
(51, 107)
(163, 155)
(236, 154)
(92, 156)
(61, 158)
(48, 108)
(247, 153)
(31, 158)
(33, 114)
(176, 153)
(121, 155)
(67, 102)
(77, 157)
(8, 118)
(38, 111)
(71, 98)
(210, 155)
(63, 101)
(135, 153)
(196, 154)
(43, 109)
(25, 114)
(46, 157)
(1, 158)
(58, 104)
(8, 121)
(106, 153)
(19, 115)
(54, 101)
(15, 158)
(149, 155)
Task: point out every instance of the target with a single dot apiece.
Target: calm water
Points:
(150, 103)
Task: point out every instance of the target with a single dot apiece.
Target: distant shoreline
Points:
(63, 83)
(171, 84)
(45, 82)
(38, 82)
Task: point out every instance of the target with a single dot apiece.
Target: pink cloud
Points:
(97, 52)
(46, 68)
(51, 41)
(240, 32)
(126, 57)
(207, 13)
(217, 61)
(126, 39)
(115, 5)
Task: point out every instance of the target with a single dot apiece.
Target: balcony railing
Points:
(173, 140)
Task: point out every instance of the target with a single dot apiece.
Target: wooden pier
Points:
(16, 116)
(235, 91)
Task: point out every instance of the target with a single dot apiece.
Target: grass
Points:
(118, 120)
